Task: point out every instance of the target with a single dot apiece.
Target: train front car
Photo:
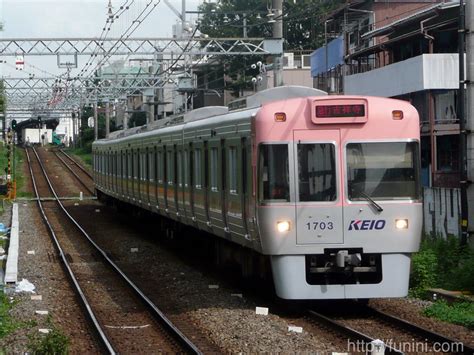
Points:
(339, 199)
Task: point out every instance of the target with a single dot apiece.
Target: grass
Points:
(83, 153)
(18, 174)
(54, 342)
(7, 325)
(442, 263)
(461, 313)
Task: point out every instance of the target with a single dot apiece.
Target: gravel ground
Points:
(185, 290)
(45, 272)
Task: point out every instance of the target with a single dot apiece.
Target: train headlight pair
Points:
(283, 226)
(401, 223)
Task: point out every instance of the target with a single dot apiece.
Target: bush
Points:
(423, 274)
(442, 263)
(461, 313)
(55, 342)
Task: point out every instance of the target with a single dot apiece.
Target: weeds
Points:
(461, 313)
(442, 263)
(7, 325)
(54, 342)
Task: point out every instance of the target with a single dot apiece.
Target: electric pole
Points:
(467, 137)
(96, 122)
(278, 34)
(107, 119)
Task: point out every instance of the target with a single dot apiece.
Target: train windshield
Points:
(316, 172)
(274, 181)
(383, 171)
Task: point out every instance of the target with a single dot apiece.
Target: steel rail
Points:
(75, 162)
(413, 328)
(74, 173)
(348, 331)
(159, 315)
(103, 337)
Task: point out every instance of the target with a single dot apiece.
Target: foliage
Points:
(442, 263)
(461, 313)
(84, 155)
(423, 273)
(137, 119)
(303, 29)
(55, 342)
(7, 325)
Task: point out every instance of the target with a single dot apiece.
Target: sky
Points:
(76, 19)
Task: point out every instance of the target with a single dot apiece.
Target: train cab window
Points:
(383, 171)
(232, 170)
(214, 169)
(274, 180)
(316, 172)
(198, 168)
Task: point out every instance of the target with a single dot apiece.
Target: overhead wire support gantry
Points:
(139, 46)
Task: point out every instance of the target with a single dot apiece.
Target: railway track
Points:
(124, 319)
(77, 170)
(364, 325)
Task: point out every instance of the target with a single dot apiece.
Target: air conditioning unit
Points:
(288, 61)
(306, 61)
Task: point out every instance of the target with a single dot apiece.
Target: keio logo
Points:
(367, 224)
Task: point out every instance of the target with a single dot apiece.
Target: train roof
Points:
(253, 101)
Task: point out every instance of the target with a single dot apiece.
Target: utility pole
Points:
(467, 137)
(96, 122)
(107, 119)
(278, 34)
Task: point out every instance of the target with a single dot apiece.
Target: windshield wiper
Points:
(368, 198)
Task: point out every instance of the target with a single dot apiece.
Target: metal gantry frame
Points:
(43, 92)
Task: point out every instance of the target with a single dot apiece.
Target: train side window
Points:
(317, 172)
(159, 167)
(129, 172)
(244, 166)
(151, 167)
(197, 168)
(186, 168)
(180, 169)
(274, 180)
(214, 169)
(169, 167)
(232, 170)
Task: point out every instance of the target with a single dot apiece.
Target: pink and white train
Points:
(325, 188)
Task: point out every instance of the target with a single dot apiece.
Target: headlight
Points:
(401, 223)
(283, 226)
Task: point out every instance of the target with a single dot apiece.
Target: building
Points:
(413, 58)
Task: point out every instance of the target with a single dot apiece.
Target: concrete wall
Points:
(441, 211)
(424, 72)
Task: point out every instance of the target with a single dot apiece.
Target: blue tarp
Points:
(335, 56)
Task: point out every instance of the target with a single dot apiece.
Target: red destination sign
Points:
(325, 111)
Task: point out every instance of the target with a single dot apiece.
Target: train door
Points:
(199, 182)
(160, 166)
(170, 180)
(188, 181)
(215, 194)
(236, 186)
(181, 162)
(130, 173)
(144, 176)
(319, 216)
(150, 158)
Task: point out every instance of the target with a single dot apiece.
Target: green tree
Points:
(303, 29)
